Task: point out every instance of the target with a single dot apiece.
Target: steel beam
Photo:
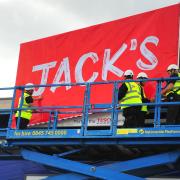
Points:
(144, 162)
(77, 167)
(68, 153)
(93, 141)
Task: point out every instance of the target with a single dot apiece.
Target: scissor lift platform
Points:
(131, 153)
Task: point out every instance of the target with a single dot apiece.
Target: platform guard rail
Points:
(158, 133)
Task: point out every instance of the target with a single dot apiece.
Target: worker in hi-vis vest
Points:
(172, 93)
(144, 108)
(25, 115)
(130, 93)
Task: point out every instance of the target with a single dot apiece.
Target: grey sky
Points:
(23, 21)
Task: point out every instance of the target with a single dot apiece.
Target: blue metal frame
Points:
(143, 162)
(112, 170)
(112, 133)
(77, 167)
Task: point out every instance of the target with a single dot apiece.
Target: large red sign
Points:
(146, 42)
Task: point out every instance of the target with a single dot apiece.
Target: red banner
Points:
(146, 42)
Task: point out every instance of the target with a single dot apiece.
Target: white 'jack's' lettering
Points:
(45, 71)
(133, 44)
(79, 65)
(63, 68)
(148, 54)
(108, 63)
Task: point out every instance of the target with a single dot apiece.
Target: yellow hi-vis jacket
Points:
(144, 108)
(133, 95)
(27, 114)
(176, 87)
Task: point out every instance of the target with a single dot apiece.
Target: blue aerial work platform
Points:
(111, 152)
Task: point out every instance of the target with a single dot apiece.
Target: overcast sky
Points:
(26, 20)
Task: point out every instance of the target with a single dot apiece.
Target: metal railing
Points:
(88, 108)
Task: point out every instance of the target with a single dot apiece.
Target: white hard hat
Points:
(142, 75)
(128, 73)
(172, 66)
(29, 88)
